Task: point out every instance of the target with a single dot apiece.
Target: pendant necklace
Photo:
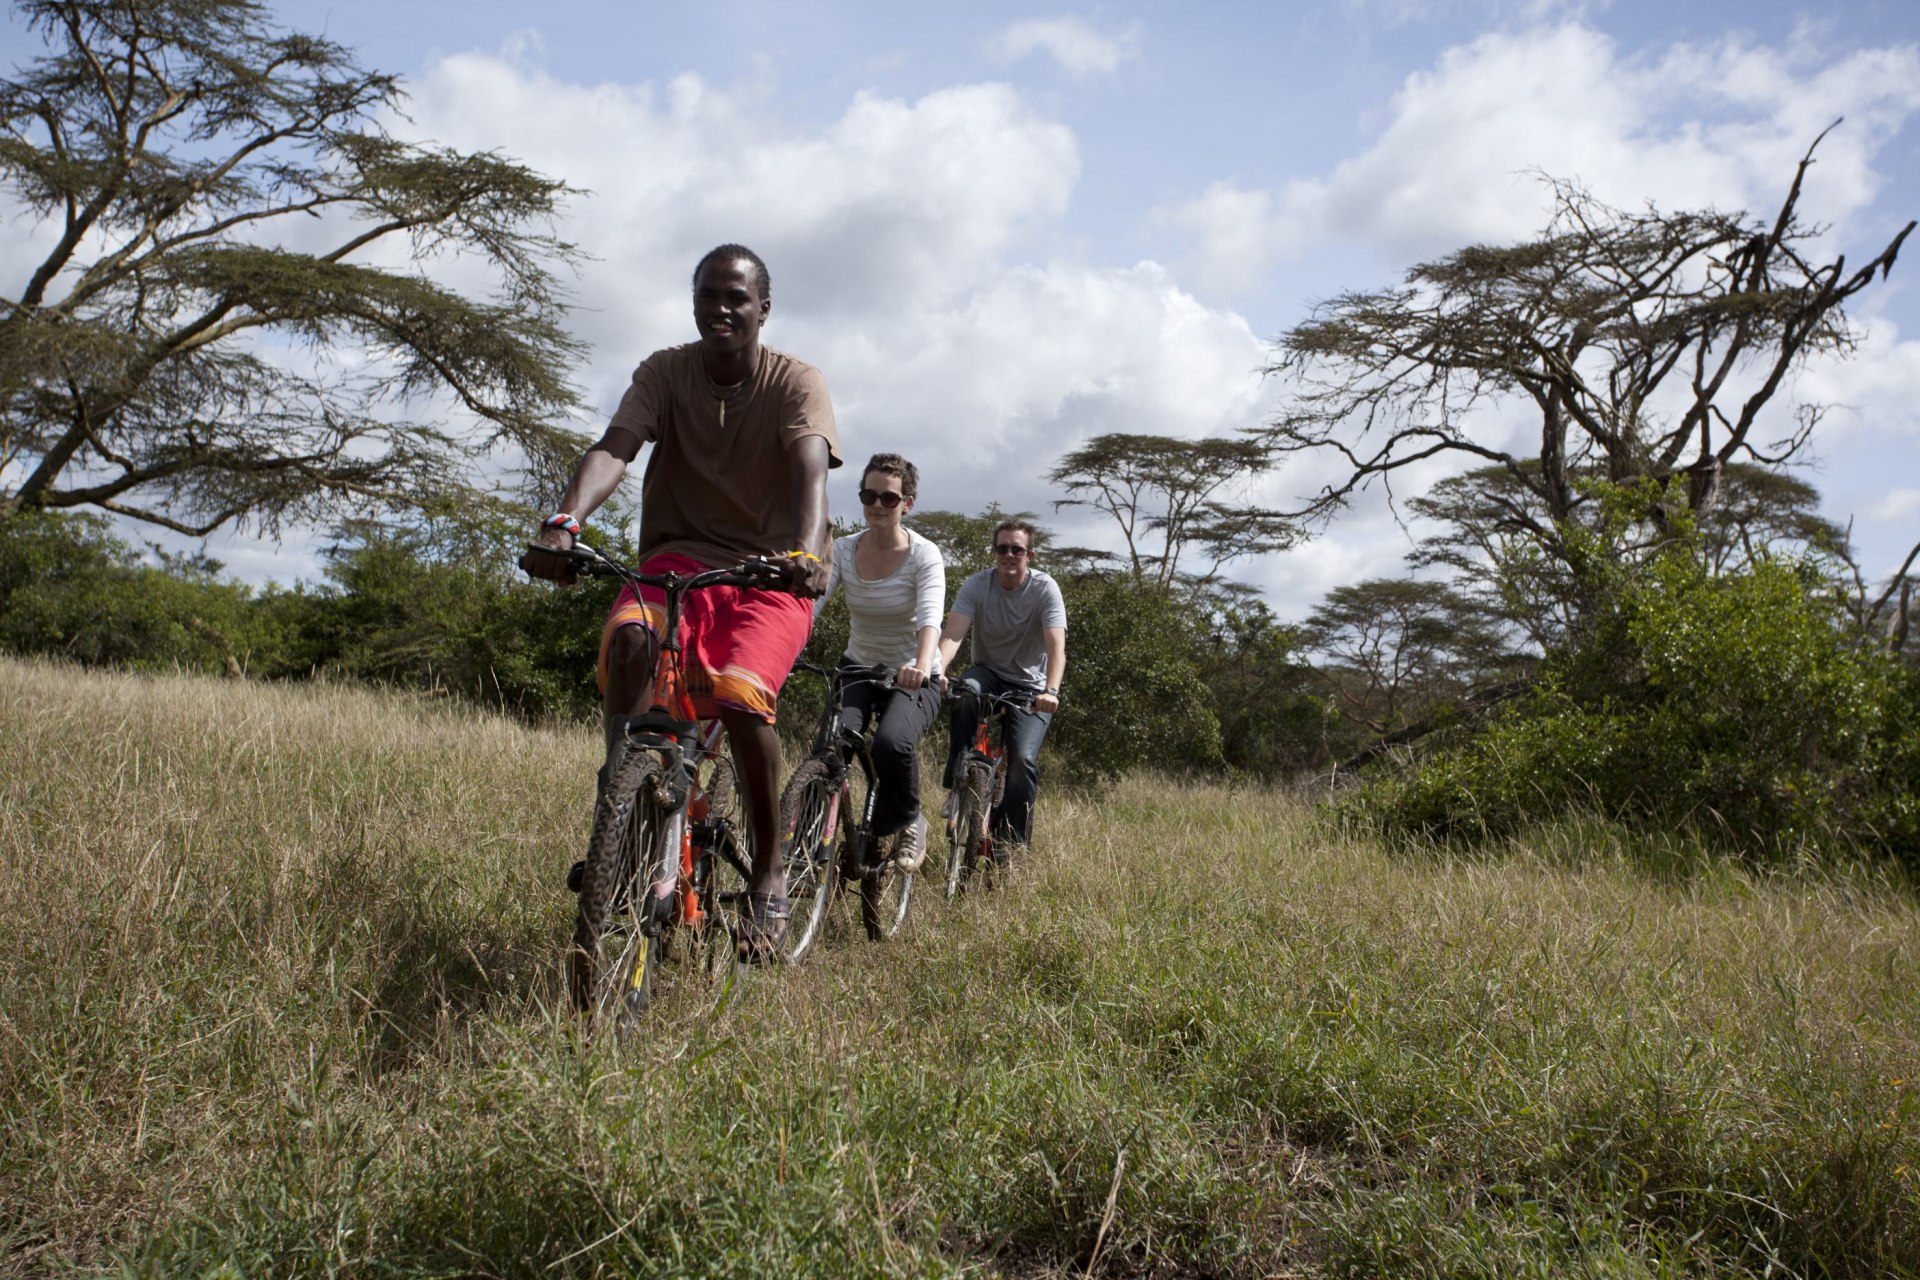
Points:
(723, 394)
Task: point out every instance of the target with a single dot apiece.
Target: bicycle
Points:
(828, 798)
(664, 858)
(981, 781)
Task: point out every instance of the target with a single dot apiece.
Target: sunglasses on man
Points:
(873, 498)
(1013, 549)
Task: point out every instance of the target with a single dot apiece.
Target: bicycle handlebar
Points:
(755, 571)
(1014, 699)
(879, 673)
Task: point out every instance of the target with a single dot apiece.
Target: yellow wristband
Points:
(802, 551)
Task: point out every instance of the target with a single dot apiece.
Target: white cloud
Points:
(896, 208)
(1080, 50)
(987, 394)
(1695, 126)
(1234, 233)
(1898, 505)
(895, 237)
(912, 240)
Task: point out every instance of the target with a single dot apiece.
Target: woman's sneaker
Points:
(910, 846)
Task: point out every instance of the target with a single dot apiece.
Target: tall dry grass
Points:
(278, 988)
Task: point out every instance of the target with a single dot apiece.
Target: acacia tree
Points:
(1396, 647)
(1168, 497)
(965, 541)
(167, 358)
(1497, 538)
(1648, 344)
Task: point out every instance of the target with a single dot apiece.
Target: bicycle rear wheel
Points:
(721, 874)
(616, 943)
(808, 813)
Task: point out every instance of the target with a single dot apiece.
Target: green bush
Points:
(1270, 725)
(444, 607)
(70, 588)
(1134, 694)
(440, 605)
(1734, 708)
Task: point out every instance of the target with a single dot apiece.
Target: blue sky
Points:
(1000, 229)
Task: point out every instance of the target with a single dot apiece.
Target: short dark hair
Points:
(737, 252)
(1016, 525)
(892, 464)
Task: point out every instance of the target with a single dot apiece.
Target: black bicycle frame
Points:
(840, 749)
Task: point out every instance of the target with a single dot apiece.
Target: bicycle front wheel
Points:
(885, 893)
(966, 838)
(885, 890)
(616, 943)
(808, 816)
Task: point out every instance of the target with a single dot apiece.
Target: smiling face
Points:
(728, 310)
(1012, 550)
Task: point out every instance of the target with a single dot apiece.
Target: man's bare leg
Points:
(756, 759)
(630, 659)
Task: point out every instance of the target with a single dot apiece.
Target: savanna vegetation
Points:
(284, 999)
(1546, 911)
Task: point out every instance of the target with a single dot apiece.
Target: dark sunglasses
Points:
(873, 497)
(1013, 549)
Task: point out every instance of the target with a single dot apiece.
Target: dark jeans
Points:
(904, 716)
(1021, 731)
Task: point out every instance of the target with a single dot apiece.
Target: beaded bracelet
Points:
(561, 520)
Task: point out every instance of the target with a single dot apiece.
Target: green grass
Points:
(279, 995)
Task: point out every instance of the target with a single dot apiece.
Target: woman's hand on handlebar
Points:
(910, 677)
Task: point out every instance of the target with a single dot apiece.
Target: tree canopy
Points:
(1647, 345)
(1396, 646)
(1172, 501)
(232, 320)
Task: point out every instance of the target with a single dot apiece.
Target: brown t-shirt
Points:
(719, 485)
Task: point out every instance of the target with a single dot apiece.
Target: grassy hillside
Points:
(278, 977)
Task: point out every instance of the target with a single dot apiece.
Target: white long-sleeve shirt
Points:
(888, 613)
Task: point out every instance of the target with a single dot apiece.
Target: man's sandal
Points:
(763, 927)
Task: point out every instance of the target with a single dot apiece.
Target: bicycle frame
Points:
(685, 837)
(989, 751)
(841, 752)
(817, 804)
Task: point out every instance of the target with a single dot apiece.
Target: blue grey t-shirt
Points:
(1009, 627)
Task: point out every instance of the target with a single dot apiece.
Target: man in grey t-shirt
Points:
(1019, 625)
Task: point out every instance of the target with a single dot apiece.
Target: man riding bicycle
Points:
(743, 436)
(1019, 625)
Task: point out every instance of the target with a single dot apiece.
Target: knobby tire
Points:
(807, 856)
(614, 956)
(885, 890)
(966, 843)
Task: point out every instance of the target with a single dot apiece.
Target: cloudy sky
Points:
(1000, 229)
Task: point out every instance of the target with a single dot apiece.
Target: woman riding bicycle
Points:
(896, 585)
